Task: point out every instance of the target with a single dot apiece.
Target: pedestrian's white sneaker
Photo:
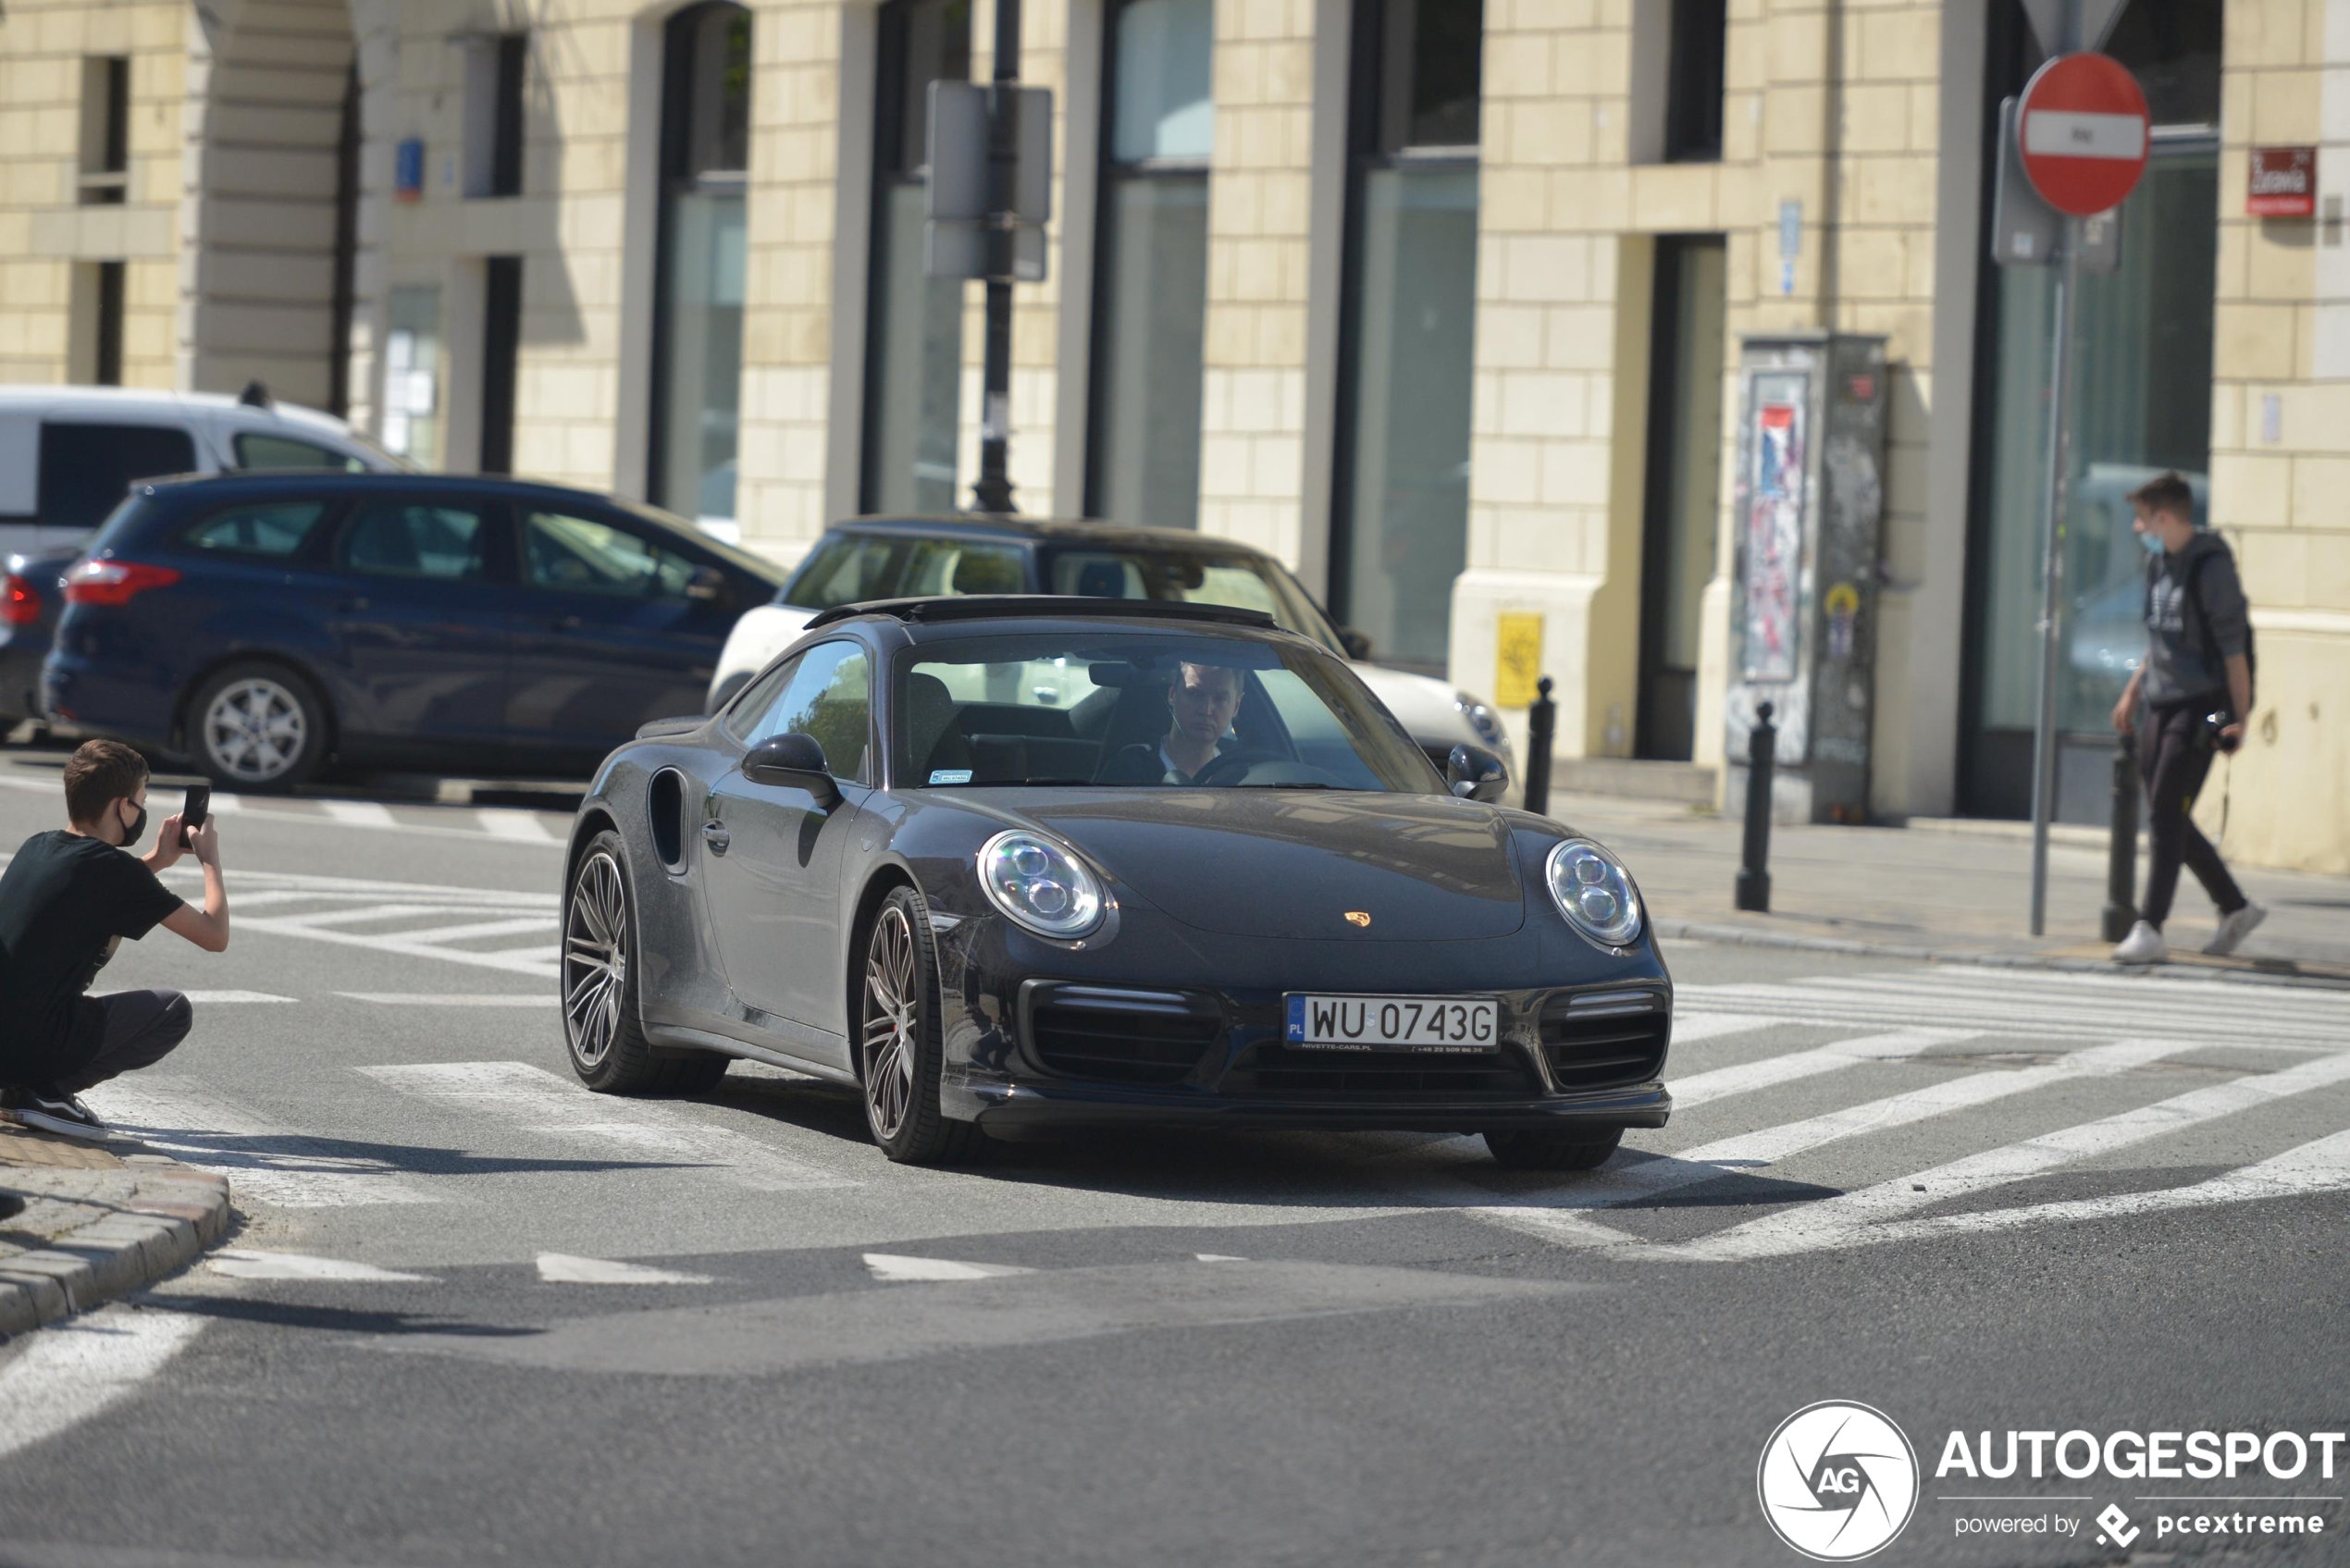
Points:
(2234, 929)
(2143, 945)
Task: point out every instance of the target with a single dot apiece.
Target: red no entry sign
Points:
(2083, 129)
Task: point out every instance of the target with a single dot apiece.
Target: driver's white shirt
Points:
(1175, 774)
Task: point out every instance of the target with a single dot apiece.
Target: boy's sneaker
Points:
(2234, 929)
(53, 1110)
(2143, 945)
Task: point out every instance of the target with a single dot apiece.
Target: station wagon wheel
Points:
(256, 727)
(898, 1055)
(602, 1028)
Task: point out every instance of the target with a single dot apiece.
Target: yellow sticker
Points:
(1843, 600)
(1517, 659)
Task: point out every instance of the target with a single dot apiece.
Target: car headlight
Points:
(1594, 892)
(1040, 885)
(1484, 720)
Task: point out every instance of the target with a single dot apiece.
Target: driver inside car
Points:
(1203, 698)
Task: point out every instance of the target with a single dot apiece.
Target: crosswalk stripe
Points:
(209, 997)
(2232, 1004)
(1836, 1221)
(547, 1106)
(515, 926)
(198, 1127)
(365, 913)
(505, 823)
(1688, 1027)
(2026, 1017)
(360, 813)
(2320, 1167)
(1787, 1067)
(454, 998)
(537, 961)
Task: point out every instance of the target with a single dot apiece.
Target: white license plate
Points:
(1404, 1023)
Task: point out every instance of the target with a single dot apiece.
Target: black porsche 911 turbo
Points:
(1010, 864)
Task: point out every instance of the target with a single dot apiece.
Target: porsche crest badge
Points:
(1358, 916)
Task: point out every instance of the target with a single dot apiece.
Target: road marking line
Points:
(539, 962)
(209, 997)
(366, 912)
(561, 1268)
(2320, 1167)
(1691, 1027)
(2024, 1017)
(507, 823)
(1217, 1257)
(78, 1368)
(1745, 1078)
(197, 1127)
(242, 1262)
(2229, 1012)
(542, 1104)
(1834, 1222)
(894, 1268)
(360, 813)
(1765, 1146)
(229, 804)
(515, 926)
(453, 998)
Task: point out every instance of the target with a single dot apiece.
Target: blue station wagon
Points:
(262, 625)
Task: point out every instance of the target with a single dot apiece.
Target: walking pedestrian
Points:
(67, 901)
(2195, 686)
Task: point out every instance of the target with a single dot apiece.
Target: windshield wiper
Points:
(1302, 783)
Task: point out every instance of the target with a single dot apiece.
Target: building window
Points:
(106, 128)
(1400, 512)
(494, 79)
(1150, 301)
(1693, 82)
(697, 321)
(914, 323)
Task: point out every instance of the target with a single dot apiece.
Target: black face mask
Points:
(138, 825)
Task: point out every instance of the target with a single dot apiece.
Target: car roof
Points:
(1041, 530)
(120, 401)
(205, 485)
(1035, 611)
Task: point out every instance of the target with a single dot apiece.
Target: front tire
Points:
(603, 1033)
(899, 1058)
(256, 727)
(1541, 1150)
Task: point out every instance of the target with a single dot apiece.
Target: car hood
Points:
(1293, 863)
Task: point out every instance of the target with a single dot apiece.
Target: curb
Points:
(1748, 936)
(172, 1214)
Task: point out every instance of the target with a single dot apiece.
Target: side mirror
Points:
(795, 761)
(708, 585)
(1357, 646)
(1475, 773)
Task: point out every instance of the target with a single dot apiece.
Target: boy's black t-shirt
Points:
(65, 902)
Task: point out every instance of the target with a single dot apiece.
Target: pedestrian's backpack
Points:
(2210, 640)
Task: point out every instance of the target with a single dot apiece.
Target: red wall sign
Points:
(2283, 182)
(2083, 130)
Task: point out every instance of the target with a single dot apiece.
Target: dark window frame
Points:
(1696, 72)
(1367, 150)
(106, 368)
(894, 166)
(506, 115)
(678, 177)
(1109, 169)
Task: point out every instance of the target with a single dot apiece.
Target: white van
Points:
(68, 454)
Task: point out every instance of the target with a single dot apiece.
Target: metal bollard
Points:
(1754, 874)
(1542, 724)
(2122, 849)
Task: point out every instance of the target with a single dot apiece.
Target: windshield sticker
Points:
(950, 775)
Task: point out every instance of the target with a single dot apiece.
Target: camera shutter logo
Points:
(1838, 1481)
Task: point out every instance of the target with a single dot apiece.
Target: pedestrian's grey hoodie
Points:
(2179, 663)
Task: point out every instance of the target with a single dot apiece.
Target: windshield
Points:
(1090, 707)
(1241, 581)
(733, 555)
(856, 568)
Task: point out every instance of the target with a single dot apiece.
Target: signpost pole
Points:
(992, 490)
(2044, 747)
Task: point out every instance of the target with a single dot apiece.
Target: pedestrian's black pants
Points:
(142, 1027)
(2174, 756)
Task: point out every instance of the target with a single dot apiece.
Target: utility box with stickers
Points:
(1809, 501)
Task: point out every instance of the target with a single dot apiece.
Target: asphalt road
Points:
(474, 1314)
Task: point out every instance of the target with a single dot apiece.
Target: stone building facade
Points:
(1441, 300)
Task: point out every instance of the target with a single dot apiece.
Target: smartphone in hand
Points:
(193, 814)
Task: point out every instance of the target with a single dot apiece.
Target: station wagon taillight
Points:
(115, 581)
(19, 601)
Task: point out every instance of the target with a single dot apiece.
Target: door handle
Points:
(565, 623)
(716, 837)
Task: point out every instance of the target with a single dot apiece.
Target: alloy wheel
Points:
(254, 730)
(892, 1014)
(595, 960)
